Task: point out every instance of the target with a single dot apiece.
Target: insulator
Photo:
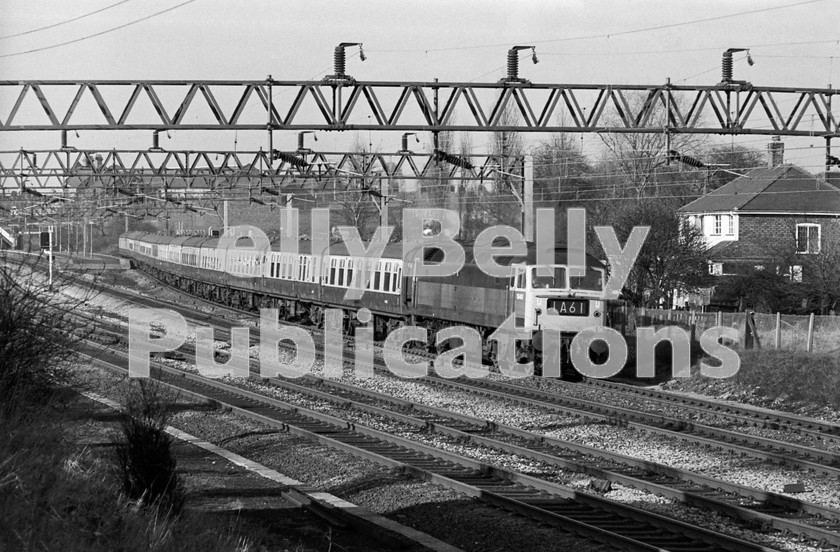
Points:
(290, 159)
(453, 159)
(339, 60)
(513, 64)
(727, 67)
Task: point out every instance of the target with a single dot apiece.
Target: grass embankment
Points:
(55, 495)
(806, 383)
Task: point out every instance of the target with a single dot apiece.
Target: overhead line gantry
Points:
(733, 107)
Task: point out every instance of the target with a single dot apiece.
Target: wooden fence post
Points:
(778, 331)
(810, 345)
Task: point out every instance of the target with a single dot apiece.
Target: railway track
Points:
(587, 515)
(783, 453)
(749, 415)
(769, 511)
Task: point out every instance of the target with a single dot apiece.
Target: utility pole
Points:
(383, 200)
(51, 255)
(528, 199)
(225, 221)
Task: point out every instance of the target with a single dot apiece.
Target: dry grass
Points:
(793, 375)
(791, 380)
(53, 497)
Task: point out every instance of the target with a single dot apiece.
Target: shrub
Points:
(144, 458)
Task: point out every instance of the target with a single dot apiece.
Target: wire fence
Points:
(813, 333)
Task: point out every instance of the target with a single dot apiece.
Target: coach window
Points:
(377, 277)
(340, 281)
(397, 278)
(366, 272)
(351, 264)
(386, 283)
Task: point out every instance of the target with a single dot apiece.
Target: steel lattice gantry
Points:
(211, 169)
(726, 108)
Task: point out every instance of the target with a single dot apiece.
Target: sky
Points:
(795, 43)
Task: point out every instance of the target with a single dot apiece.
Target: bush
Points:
(54, 498)
(144, 458)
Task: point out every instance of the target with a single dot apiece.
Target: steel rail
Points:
(595, 517)
(766, 508)
(751, 415)
(791, 454)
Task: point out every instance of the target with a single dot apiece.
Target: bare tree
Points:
(637, 158)
(672, 260)
(355, 202)
(559, 171)
(438, 190)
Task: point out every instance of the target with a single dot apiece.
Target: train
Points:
(303, 284)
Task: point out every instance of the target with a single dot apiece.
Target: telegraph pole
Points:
(383, 200)
(528, 199)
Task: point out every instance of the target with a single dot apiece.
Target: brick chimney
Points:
(775, 152)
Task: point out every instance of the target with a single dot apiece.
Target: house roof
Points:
(781, 189)
(718, 249)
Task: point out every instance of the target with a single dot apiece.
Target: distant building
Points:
(775, 218)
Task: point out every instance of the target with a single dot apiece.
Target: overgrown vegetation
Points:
(144, 458)
(54, 496)
(35, 349)
(792, 380)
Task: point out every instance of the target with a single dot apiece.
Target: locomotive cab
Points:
(558, 297)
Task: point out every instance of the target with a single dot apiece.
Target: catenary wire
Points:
(66, 21)
(100, 33)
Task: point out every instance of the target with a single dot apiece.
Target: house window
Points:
(807, 238)
(716, 269)
(718, 224)
(730, 225)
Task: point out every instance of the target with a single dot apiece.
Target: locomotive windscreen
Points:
(593, 280)
(557, 279)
